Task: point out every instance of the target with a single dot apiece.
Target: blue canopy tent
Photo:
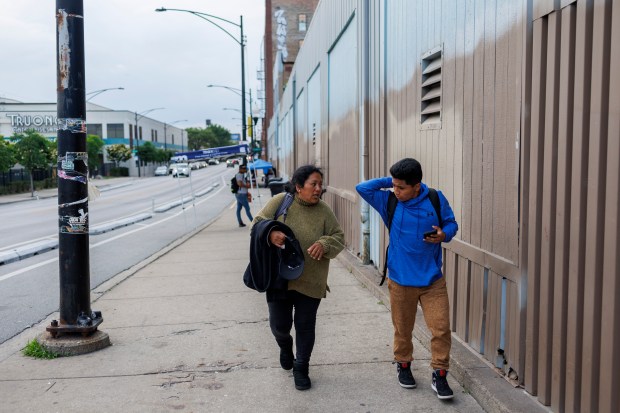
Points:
(260, 164)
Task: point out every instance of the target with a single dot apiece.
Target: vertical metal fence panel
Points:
(597, 169)
(579, 182)
(492, 316)
(535, 198)
(515, 10)
(513, 338)
(476, 307)
(447, 150)
(609, 395)
(562, 212)
(451, 271)
(458, 112)
(548, 209)
(477, 125)
(462, 304)
(467, 112)
(489, 137)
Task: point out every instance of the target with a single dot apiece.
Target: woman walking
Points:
(321, 238)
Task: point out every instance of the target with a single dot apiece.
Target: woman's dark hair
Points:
(300, 176)
(408, 169)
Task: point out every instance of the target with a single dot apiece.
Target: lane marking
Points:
(41, 264)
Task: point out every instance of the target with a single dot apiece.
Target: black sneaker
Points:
(405, 378)
(440, 385)
(241, 225)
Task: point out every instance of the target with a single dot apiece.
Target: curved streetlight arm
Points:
(100, 91)
(234, 90)
(201, 15)
(240, 42)
(142, 114)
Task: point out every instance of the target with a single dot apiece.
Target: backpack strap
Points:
(391, 207)
(392, 201)
(287, 201)
(434, 198)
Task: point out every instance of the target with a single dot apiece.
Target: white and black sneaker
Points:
(405, 378)
(440, 385)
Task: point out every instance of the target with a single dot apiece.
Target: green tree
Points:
(163, 155)
(32, 152)
(118, 153)
(147, 153)
(7, 155)
(94, 147)
(210, 137)
(221, 135)
(52, 147)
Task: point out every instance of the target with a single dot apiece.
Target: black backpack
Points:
(392, 202)
(234, 186)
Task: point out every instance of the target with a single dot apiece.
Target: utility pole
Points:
(73, 216)
(244, 125)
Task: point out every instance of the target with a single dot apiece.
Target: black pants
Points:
(281, 320)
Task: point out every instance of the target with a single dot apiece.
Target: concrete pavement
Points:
(187, 335)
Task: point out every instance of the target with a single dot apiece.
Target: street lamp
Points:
(238, 92)
(139, 116)
(236, 110)
(165, 127)
(100, 91)
(240, 42)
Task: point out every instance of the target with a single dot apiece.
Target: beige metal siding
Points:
(571, 173)
(527, 153)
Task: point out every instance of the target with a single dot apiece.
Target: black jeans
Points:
(281, 320)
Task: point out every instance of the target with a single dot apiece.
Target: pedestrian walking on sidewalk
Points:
(421, 220)
(316, 228)
(242, 194)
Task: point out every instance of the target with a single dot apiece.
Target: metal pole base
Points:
(74, 344)
(86, 325)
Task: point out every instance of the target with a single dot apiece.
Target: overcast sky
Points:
(161, 59)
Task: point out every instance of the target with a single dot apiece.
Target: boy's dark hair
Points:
(408, 169)
(300, 176)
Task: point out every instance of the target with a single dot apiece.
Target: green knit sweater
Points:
(310, 223)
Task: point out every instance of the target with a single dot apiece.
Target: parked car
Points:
(161, 171)
(181, 169)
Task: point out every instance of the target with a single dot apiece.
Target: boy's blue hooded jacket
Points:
(412, 262)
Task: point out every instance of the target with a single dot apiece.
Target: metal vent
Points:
(430, 113)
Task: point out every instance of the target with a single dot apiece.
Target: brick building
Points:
(286, 24)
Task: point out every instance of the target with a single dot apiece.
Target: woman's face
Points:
(311, 191)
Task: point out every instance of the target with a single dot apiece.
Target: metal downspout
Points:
(365, 210)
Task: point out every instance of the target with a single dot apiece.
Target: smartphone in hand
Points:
(429, 233)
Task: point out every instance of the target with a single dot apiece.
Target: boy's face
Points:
(403, 191)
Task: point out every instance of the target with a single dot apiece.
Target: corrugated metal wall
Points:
(524, 142)
(572, 224)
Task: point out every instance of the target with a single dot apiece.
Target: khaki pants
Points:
(436, 309)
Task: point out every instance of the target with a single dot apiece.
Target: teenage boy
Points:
(414, 267)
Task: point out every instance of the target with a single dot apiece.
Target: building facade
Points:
(113, 126)
(513, 109)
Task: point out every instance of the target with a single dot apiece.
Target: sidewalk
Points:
(187, 335)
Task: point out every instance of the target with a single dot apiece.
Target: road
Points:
(29, 289)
